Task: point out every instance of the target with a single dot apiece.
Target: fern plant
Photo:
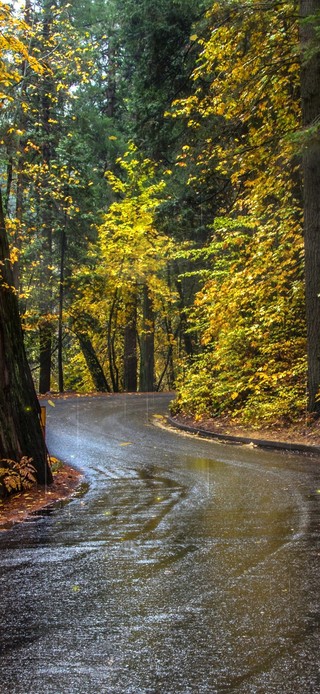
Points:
(16, 476)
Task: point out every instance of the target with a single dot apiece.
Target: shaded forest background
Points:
(151, 173)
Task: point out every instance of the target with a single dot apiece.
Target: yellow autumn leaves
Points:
(250, 313)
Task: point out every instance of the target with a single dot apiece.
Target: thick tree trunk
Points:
(310, 92)
(95, 369)
(147, 383)
(130, 361)
(20, 429)
(46, 212)
(111, 90)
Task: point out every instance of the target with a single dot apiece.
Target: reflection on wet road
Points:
(187, 567)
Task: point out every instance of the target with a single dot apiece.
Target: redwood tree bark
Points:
(310, 94)
(20, 429)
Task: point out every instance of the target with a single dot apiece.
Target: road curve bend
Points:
(187, 566)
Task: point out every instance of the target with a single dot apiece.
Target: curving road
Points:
(187, 566)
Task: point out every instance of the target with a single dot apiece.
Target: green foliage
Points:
(203, 218)
(133, 249)
(156, 60)
(249, 313)
(55, 465)
(130, 254)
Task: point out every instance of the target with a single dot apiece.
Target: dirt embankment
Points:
(305, 432)
(19, 506)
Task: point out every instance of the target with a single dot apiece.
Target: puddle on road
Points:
(166, 580)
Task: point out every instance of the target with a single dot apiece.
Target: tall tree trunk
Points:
(169, 366)
(111, 89)
(111, 332)
(130, 361)
(19, 217)
(20, 428)
(147, 345)
(95, 369)
(310, 92)
(45, 327)
(9, 179)
(61, 300)
(185, 335)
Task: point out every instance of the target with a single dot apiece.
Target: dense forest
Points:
(156, 161)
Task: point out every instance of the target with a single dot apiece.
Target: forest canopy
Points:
(154, 173)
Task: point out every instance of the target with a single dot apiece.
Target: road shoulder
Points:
(67, 482)
(298, 437)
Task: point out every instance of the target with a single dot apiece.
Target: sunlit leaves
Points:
(134, 250)
(13, 52)
(250, 315)
(131, 255)
(250, 312)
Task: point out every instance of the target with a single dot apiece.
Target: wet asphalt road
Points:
(187, 565)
